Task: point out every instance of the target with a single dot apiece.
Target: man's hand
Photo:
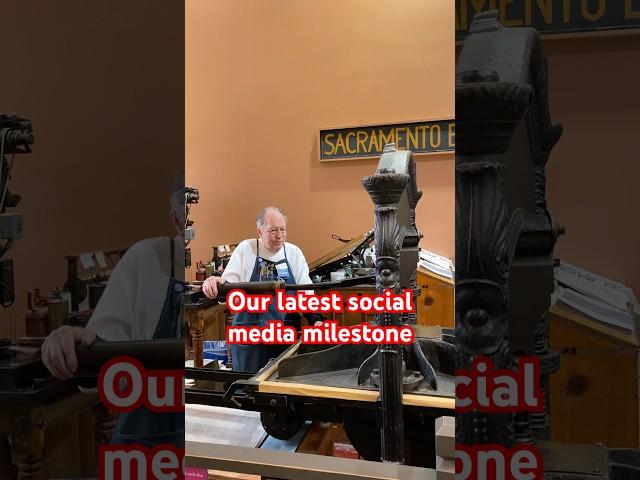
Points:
(210, 286)
(59, 350)
(314, 319)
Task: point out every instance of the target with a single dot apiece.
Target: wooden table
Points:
(52, 437)
(207, 319)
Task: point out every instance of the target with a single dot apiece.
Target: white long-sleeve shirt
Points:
(130, 306)
(243, 260)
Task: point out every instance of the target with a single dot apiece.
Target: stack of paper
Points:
(436, 263)
(223, 426)
(597, 297)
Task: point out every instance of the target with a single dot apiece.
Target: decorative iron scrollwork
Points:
(504, 137)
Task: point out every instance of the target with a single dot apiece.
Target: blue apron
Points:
(143, 426)
(251, 358)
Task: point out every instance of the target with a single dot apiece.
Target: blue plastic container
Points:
(215, 350)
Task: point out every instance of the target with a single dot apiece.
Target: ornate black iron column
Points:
(386, 188)
(504, 232)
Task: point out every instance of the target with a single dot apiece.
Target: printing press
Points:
(388, 396)
(505, 236)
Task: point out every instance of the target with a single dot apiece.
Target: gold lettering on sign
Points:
(348, 143)
(333, 147)
(340, 143)
(478, 5)
(374, 142)
(566, 12)
(384, 139)
(419, 137)
(629, 12)
(434, 136)
(527, 13)
(398, 146)
(586, 13)
(412, 138)
(361, 137)
(546, 8)
(461, 15)
(423, 142)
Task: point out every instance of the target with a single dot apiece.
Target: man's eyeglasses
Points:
(273, 231)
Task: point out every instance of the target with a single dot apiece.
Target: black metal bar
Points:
(391, 400)
(348, 282)
(225, 376)
(152, 354)
(250, 287)
(48, 390)
(270, 287)
(207, 397)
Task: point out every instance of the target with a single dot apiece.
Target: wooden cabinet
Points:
(594, 395)
(215, 325)
(52, 437)
(207, 323)
(347, 318)
(435, 305)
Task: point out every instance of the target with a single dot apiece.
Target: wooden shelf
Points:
(594, 395)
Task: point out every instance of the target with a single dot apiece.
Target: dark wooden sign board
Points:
(553, 16)
(424, 137)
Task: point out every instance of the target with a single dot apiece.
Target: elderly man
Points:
(268, 257)
(141, 302)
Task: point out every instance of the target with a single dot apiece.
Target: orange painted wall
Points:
(102, 83)
(263, 76)
(593, 172)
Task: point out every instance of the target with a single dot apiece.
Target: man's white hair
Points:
(263, 212)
